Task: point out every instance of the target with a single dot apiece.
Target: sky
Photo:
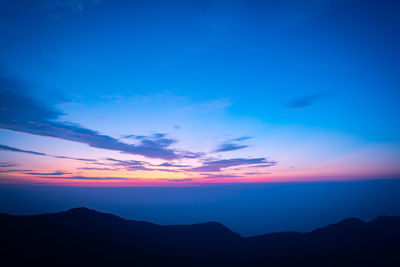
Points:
(168, 94)
(130, 93)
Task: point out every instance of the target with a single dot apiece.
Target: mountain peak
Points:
(86, 213)
(81, 209)
(351, 221)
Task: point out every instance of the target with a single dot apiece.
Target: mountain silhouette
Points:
(85, 237)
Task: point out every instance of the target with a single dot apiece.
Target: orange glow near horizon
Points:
(110, 168)
(126, 181)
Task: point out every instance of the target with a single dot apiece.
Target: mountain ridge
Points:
(91, 237)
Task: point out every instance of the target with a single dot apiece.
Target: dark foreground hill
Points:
(84, 237)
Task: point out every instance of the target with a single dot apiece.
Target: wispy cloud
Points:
(112, 164)
(305, 101)
(177, 180)
(220, 176)
(14, 149)
(167, 164)
(232, 145)
(80, 159)
(14, 170)
(242, 138)
(217, 165)
(5, 165)
(22, 113)
(136, 165)
(263, 165)
(229, 147)
(131, 165)
(49, 173)
(85, 178)
(8, 164)
(9, 148)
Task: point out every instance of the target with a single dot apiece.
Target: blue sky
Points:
(309, 89)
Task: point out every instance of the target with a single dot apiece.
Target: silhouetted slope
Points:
(350, 242)
(86, 237)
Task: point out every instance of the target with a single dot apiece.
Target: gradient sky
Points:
(172, 93)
